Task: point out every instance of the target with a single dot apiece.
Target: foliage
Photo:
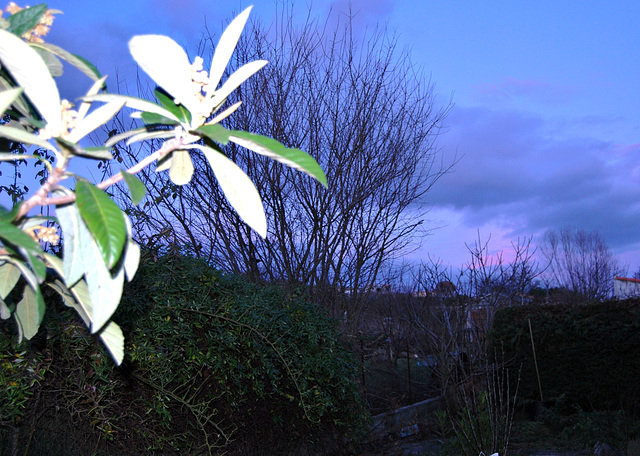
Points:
(264, 354)
(214, 364)
(586, 354)
(19, 372)
(98, 250)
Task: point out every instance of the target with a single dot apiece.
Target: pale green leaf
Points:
(84, 306)
(71, 223)
(5, 312)
(133, 103)
(113, 339)
(27, 273)
(236, 79)
(226, 46)
(54, 65)
(30, 72)
(97, 118)
(104, 219)
(295, 158)
(77, 61)
(29, 312)
(238, 189)
(104, 288)
(226, 113)
(120, 136)
(131, 260)
(160, 134)
(25, 137)
(181, 167)
(8, 96)
(8, 156)
(93, 90)
(69, 299)
(168, 65)
(9, 275)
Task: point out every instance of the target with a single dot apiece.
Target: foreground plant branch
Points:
(98, 252)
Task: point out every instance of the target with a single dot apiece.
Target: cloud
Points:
(517, 173)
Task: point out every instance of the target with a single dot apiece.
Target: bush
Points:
(213, 363)
(589, 354)
(270, 362)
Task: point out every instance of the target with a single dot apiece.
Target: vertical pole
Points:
(409, 373)
(364, 377)
(535, 360)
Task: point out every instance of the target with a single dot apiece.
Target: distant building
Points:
(625, 288)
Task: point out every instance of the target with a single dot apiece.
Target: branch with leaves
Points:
(98, 251)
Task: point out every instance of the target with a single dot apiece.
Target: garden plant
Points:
(98, 252)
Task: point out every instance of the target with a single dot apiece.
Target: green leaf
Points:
(167, 101)
(30, 72)
(168, 65)
(29, 312)
(104, 219)
(238, 189)
(25, 20)
(85, 66)
(215, 132)
(9, 215)
(226, 46)
(151, 118)
(181, 167)
(9, 275)
(113, 339)
(25, 137)
(7, 97)
(81, 64)
(295, 158)
(9, 233)
(136, 187)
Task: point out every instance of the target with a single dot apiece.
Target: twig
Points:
(40, 198)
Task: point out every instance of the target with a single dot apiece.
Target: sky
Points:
(546, 117)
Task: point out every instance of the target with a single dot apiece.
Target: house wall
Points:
(624, 288)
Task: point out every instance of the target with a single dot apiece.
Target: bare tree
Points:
(368, 116)
(580, 262)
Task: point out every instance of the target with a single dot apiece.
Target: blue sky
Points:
(546, 122)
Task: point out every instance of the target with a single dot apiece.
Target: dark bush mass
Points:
(214, 363)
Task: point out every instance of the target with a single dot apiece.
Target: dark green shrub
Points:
(214, 364)
(262, 362)
(589, 354)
